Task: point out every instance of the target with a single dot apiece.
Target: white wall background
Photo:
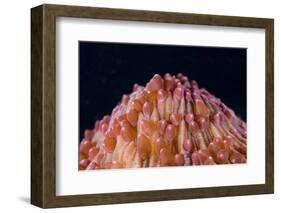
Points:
(15, 104)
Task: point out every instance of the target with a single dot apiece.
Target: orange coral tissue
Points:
(169, 122)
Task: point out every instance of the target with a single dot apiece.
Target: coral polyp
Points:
(168, 122)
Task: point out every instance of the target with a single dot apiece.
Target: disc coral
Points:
(169, 122)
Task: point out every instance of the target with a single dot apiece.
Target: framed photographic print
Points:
(136, 106)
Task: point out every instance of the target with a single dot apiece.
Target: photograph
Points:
(161, 105)
(134, 105)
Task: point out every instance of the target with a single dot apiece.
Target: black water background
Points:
(109, 70)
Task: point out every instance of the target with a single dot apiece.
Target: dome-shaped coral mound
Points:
(169, 122)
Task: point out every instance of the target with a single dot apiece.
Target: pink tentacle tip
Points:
(178, 93)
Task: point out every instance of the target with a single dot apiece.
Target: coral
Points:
(169, 122)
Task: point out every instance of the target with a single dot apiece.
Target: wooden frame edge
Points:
(269, 120)
(36, 106)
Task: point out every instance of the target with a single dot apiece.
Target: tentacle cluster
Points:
(169, 122)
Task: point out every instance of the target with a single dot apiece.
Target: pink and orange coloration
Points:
(169, 122)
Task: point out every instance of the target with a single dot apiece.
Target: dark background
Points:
(109, 70)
